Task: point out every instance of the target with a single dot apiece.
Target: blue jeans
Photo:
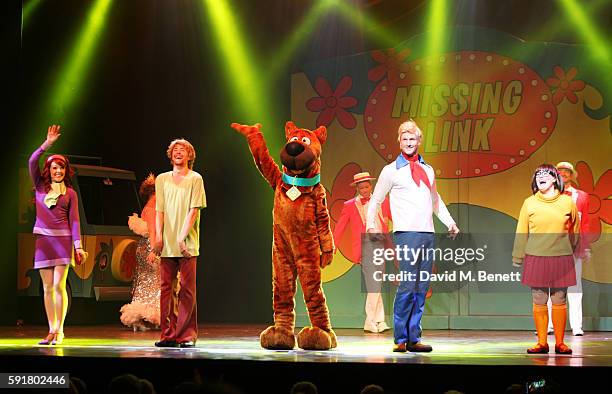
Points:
(409, 302)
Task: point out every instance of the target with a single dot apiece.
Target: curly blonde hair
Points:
(411, 127)
(188, 147)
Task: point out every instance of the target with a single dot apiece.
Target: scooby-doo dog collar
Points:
(295, 181)
(294, 192)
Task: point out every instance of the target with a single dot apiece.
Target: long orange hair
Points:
(63, 162)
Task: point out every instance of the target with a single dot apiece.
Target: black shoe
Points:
(187, 344)
(419, 347)
(166, 343)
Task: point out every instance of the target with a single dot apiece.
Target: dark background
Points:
(157, 74)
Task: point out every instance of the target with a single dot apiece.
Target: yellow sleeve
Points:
(159, 194)
(198, 194)
(522, 232)
(575, 226)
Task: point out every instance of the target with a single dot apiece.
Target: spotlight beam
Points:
(435, 38)
(436, 28)
(550, 29)
(241, 72)
(28, 8)
(71, 76)
(297, 37)
(576, 14)
(373, 27)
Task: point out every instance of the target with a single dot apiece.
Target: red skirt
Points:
(549, 271)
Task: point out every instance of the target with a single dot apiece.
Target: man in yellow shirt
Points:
(180, 196)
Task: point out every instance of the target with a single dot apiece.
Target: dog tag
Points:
(293, 193)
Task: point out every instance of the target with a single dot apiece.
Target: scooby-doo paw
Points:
(314, 338)
(246, 130)
(326, 259)
(277, 338)
(334, 340)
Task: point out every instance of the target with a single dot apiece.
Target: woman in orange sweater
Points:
(143, 311)
(546, 235)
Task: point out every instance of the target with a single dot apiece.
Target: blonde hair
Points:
(411, 127)
(188, 147)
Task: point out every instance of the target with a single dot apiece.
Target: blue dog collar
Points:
(295, 181)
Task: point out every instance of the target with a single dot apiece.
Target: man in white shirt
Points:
(410, 183)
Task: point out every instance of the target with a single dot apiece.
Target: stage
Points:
(472, 361)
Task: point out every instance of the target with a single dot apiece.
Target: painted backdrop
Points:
(492, 108)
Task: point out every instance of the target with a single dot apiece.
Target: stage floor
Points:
(241, 343)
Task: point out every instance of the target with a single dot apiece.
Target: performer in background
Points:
(180, 197)
(546, 234)
(411, 185)
(143, 312)
(352, 218)
(57, 231)
(582, 252)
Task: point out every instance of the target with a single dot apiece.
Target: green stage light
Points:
(240, 64)
(71, 76)
(436, 28)
(371, 26)
(435, 38)
(243, 76)
(576, 14)
(557, 25)
(28, 8)
(298, 35)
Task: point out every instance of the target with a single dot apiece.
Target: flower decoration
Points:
(564, 85)
(390, 64)
(600, 204)
(333, 103)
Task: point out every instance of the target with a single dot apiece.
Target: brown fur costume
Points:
(302, 240)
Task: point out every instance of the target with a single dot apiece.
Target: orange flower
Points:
(600, 204)
(391, 64)
(564, 85)
(333, 103)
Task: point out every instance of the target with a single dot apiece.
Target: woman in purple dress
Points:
(57, 232)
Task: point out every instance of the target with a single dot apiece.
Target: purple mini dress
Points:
(57, 229)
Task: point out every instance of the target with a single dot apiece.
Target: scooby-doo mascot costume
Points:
(303, 242)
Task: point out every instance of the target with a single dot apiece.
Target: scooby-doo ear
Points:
(321, 133)
(290, 128)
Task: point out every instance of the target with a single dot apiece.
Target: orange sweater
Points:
(544, 227)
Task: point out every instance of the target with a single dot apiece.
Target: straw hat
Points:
(361, 177)
(564, 165)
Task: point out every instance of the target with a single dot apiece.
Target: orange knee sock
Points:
(559, 318)
(540, 317)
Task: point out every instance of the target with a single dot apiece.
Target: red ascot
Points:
(364, 200)
(417, 170)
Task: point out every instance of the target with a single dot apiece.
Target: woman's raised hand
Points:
(53, 133)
